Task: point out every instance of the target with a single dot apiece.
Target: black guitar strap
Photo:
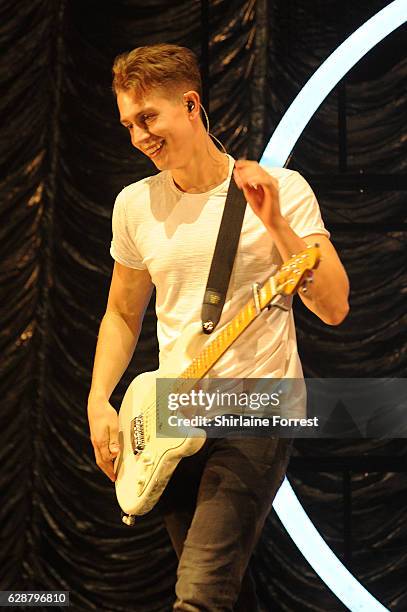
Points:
(223, 257)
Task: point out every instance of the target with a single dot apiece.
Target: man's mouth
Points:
(155, 149)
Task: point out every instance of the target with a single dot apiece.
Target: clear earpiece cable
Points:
(208, 128)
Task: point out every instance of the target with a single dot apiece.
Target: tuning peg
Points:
(308, 278)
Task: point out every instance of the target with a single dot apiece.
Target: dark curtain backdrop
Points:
(63, 158)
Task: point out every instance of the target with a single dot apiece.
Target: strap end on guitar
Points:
(128, 519)
(211, 310)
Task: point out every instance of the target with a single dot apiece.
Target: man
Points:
(164, 231)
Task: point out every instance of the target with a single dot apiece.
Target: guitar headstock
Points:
(292, 272)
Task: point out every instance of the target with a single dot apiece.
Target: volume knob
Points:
(147, 458)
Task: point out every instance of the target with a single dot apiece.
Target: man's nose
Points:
(139, 136)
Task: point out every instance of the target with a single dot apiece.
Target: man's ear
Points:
(191, 102)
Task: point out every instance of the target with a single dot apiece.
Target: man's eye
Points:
(147, 118)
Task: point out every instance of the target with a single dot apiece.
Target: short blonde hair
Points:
(164, 66)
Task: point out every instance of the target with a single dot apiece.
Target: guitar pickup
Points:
(137, 434)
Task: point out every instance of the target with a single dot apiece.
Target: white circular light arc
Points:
(327, 76)
(297, 523)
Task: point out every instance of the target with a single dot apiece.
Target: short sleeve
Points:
(123, 248)
(300, 207)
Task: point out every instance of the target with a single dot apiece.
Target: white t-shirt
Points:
(172, 234)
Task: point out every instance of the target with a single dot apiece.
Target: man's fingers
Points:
(109, 444)
(103, 447)
(248, 178)
(114, 445)
(237, 178)
(246, 163)
(104, 424)
(105, 466)
(250, 175)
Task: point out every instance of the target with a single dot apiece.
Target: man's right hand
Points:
(104, 434)
(129, 294)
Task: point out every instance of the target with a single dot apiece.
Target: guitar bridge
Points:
(137, 434)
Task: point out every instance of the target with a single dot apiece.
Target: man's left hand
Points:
(260, 190)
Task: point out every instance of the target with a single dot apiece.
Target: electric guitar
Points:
(146, 461)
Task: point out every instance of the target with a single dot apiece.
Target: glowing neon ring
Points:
(286, 504)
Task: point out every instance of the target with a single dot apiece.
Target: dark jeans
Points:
(214, 508)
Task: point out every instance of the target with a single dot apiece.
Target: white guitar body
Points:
(142, 477)
(146, 461)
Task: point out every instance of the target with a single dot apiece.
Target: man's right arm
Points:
(129, 294)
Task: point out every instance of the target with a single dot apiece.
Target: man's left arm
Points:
(327, 296)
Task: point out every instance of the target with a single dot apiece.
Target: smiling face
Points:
(159, 126)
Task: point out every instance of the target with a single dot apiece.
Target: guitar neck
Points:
(215, 348)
